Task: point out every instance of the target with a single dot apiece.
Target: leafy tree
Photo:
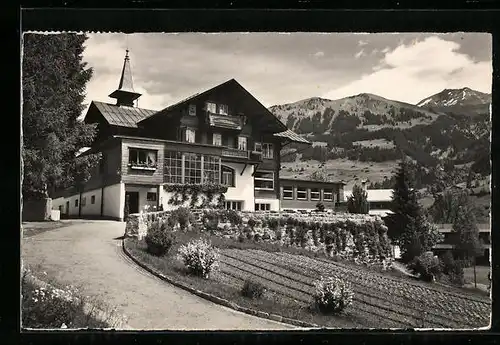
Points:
(467, 242)
(358, 201)
(53, 82)
(408, 226)
(446, 206)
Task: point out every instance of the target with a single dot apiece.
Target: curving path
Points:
(89, 256)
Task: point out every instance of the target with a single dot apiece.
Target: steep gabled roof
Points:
(122, 116)
(169, 111)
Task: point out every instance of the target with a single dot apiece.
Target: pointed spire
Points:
(125, 94)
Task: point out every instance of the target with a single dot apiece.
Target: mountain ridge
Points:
(370, 128)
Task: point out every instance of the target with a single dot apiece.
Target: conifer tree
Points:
(54, 77)
(408, 226)
(358, 201)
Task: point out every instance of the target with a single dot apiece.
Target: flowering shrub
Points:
(252, 289)
(199, 257)
(332, 294)
(210, 220)
(159, 238)
(427, 266)
(50, 307)
(182, 216)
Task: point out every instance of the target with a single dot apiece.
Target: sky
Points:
(279, 68)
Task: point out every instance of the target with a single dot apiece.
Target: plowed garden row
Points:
(379, 300)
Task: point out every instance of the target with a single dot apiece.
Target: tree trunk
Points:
(475, 281)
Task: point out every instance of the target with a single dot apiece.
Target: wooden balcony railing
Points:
(225, 121)
(230, 152)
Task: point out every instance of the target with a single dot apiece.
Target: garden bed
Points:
(380, 301)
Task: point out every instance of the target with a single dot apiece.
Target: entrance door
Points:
(67, 208)
(133, 201)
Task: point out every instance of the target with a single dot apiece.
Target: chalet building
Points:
(304, 195)
(379, 200)
(222, 135)
(449, 239)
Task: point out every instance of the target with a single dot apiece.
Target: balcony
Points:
(247, 155)
(225, 121)
(235, 153)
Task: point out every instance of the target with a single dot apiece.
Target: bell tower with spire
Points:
(125, 94)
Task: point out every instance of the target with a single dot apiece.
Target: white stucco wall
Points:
(143, 191)
(58, 202)
(243, 189)
(74, 210)
(92, 209)
(114, 200)
(274, 203)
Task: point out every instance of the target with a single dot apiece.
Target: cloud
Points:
(414, 71)
(282, 68)
(359, 54)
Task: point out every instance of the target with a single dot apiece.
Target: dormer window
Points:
(223, 109)
(211, 107)
(192, 109)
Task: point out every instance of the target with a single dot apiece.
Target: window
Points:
(223, 109)
(267, 150)
(257, 147)
(142, 158)
(211, 169)
(211, 107)
(262, 207)
(233, 205)
(227, 176)
(217, 139)
(84, 201)
(328, 195)
(151, 196)
(76, 202)
(242, 143)
(192, 109)
(173, 167)
(192, 168)
(315, 194)
(92, 199)
(193, 171)
(287, 192)
(301, 193)
(264, 180)
(190, 136)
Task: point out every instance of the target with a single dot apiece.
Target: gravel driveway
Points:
(89, 255)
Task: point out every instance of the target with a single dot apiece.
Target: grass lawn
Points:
(481, 275)
(381, 300)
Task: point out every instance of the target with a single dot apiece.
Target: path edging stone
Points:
(216, 299)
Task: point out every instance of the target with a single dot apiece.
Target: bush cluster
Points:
(159, 238)
(452, 268)
(332, 294)
(252, 289)
(199, 257)
(427, 266)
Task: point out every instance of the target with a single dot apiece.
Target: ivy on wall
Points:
(182, 193)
